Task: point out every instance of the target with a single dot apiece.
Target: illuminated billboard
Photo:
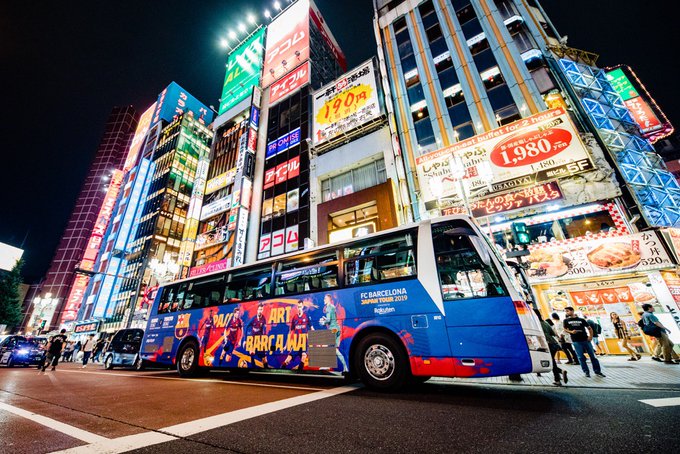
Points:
(138, 139)
(290, 83)
(653, 123)
(346, 103)
(75, 298)
(534, 149)
(287, 42)
(9, 256)
(102, 222)
(174, 101)
(244, 66)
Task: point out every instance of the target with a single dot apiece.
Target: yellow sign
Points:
(344, 104)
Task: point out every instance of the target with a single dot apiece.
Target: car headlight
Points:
(22, 352)
(537, 343)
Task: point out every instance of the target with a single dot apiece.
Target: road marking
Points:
(225, 419)
(53, 424)
(200, 380)
(667, 402)
(138, 441)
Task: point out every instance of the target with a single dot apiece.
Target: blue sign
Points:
(134, 206)
(283, 143)
(254, 117)
(175, 100)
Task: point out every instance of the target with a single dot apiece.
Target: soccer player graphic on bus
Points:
(232, 335)
(206, 327)
(330, 321)
(258, 327)
(300, 323)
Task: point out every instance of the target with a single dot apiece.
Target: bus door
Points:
(481, 318)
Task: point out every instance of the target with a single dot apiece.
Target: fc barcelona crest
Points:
(182, 326)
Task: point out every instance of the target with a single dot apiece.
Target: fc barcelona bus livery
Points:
(402, 305)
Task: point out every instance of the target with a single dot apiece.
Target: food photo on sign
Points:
(640, 251)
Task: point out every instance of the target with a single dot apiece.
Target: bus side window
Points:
(380, 259)
(169, 295)
(307, 274)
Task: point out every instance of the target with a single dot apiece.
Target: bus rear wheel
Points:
(381, 363)
(187, 360)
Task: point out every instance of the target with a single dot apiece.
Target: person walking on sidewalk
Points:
(581, 336)
(565, 339)
(669, 355)
(98, 348)
(623, 335)
(54, 350)
(597, 330)
(554, 346)
(88, 346)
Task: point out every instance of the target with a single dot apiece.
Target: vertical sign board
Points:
(133, 207)
(345, 104)
(244, 66)
(138, 139)
(287, 42)
(75, 298)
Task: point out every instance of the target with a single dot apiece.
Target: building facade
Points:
(61, 275)
(499, 119)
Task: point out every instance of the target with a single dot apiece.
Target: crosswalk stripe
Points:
(667, 402)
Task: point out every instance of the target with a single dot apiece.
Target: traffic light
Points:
(520, 235)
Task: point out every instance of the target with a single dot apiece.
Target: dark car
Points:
(19, 351)
(123, 350)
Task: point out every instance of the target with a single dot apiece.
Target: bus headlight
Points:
(537, 343)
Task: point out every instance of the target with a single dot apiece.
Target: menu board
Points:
(601, 257)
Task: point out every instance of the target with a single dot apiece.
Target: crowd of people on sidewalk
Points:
(577, 337)
(60, 348)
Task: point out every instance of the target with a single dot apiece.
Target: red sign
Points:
(287, 42)
(585, 298)
(530, 147)
(624, 295)
(105, 213)
(643, 115)
(290, 83)
(535, 195)
(75, 298)
(282, 172)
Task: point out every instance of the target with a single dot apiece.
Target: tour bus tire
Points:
(10, 362)
(381, 362)
(108, 362)
(187, 360)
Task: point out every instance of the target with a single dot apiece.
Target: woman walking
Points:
(623, 335)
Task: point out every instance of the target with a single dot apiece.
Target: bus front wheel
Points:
(381, 362)
(187, 360)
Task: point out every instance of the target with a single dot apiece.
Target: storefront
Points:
(357, 214)
(614, 273)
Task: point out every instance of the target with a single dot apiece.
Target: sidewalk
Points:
(621, 373)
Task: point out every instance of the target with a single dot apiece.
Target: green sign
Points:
(621, 84)
(244, 66)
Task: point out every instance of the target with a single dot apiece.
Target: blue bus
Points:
(391, 308)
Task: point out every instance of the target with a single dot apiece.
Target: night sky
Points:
(66, 64)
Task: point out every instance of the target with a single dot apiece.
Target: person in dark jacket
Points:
(554, 346)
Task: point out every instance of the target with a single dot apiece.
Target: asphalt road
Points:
(93, 410)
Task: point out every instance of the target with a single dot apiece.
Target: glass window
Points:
(462, 273)
(355, 180)
(500, 97)
(248, 284)
(307, 274)
(472, 28)
(484, 60)
(380, 259)
(204, 293)
(423, 127)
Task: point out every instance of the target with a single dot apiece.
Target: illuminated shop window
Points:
(582, 225)
(355, 180)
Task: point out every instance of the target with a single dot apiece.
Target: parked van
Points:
(123, 350)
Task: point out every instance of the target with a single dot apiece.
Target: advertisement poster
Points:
(243, 71)
(345, 104)
(601, 257)
(539, 148)
(287, 42)
(297, 78)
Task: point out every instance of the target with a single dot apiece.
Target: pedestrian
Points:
(654, 344)
(76, 349)
(653, 327)
(68, 351)
(597, 330)
(565, 339)
(88, 346)
(98, 347)
(54, 350)
(581, 336)
(554, 346)
(623, 335)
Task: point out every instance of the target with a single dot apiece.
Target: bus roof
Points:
(329, 245)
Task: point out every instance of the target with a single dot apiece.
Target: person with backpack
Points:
(597, 330)
(54, 350)
(581, 335)
(565, 339)
(653, 327)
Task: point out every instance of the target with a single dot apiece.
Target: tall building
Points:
(498, 118)
(301, 55)
(110, 155)
(121, 279)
